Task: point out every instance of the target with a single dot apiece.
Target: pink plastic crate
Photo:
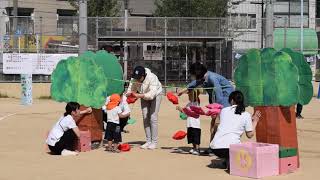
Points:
(288, 164)
(254, 160)
(84, 142)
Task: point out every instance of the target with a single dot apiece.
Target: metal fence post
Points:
(165, 53)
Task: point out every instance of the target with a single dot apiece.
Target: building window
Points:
(67, 24)
(244, 21)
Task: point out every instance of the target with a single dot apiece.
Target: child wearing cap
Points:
(113, 129)
(193, 124)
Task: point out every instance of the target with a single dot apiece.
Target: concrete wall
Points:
(13, 90)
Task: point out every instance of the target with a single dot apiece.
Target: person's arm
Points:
(87, 111)
(255, 120)
(191, 85)
(76, 131)
(179, 108)
(131, 87)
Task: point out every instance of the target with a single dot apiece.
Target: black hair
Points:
(238, 99)
(71, 106)
(198, 70)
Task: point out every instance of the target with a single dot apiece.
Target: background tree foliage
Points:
(191, 8)
(102, 8)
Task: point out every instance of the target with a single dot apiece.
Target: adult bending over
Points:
(217, 87)
(146, 85)
(63, 136)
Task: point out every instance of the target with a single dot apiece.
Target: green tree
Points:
(87, 79)
(102, 8)
(271, 78)
(191, 8)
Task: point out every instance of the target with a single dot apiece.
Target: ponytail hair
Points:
(71, 106)
(238, 100)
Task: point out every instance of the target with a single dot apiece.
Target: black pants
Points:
(67, 141)
(221, 153)
(123, 123)
(299, 110)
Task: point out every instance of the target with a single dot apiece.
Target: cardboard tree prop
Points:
(88, 79)
(273, 82)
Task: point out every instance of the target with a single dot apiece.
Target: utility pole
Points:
(269, 23)
(15, 24)
(83, 26)
(301, 27)
(125, 55)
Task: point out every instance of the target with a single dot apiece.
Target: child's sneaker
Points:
(66, 152)
(152, 146)
(145, 145)
(196, 152)
(191, 151)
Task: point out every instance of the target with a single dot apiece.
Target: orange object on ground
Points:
(92, 122)
(277, 125)
(124, 147)
(179, 135)
(172, 98)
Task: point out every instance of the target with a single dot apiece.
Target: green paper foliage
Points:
(86, 79)
(270, 78)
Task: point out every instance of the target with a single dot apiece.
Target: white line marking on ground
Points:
(6, 116)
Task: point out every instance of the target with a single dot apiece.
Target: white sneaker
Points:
(196, 152)
(191, 151)
(66, 152)
(145, 145)
(152, 146)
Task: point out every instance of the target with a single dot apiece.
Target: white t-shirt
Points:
(193, 122)
(113, 115)
(124, 105)
(65, 123)
(231, 127)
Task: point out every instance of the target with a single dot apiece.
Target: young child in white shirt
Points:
(113, 129)
(193, 124)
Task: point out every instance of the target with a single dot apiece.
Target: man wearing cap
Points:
(146, 86)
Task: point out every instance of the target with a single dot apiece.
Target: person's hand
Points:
(89, 110)
(128, 94)
(178, 108)
(256, 116)
(137, 95)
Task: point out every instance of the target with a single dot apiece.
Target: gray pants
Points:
(150, 111)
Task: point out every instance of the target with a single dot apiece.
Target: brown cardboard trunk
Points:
(92, 122)
(277, 125)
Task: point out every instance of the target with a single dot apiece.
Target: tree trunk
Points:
(92, 122)
(277, 125)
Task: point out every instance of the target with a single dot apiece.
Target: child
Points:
(234, 121)
(193, 124)
(125, 109)
(113, 130)
(64, 134)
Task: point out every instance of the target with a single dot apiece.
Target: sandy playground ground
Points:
(23, 155)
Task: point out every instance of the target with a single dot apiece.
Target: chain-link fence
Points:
(155, 42)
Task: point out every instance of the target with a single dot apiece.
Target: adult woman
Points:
(234, 121)
(64, 134)
(217, 87)
(146, 85)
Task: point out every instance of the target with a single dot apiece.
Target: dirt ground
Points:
(23, 154)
